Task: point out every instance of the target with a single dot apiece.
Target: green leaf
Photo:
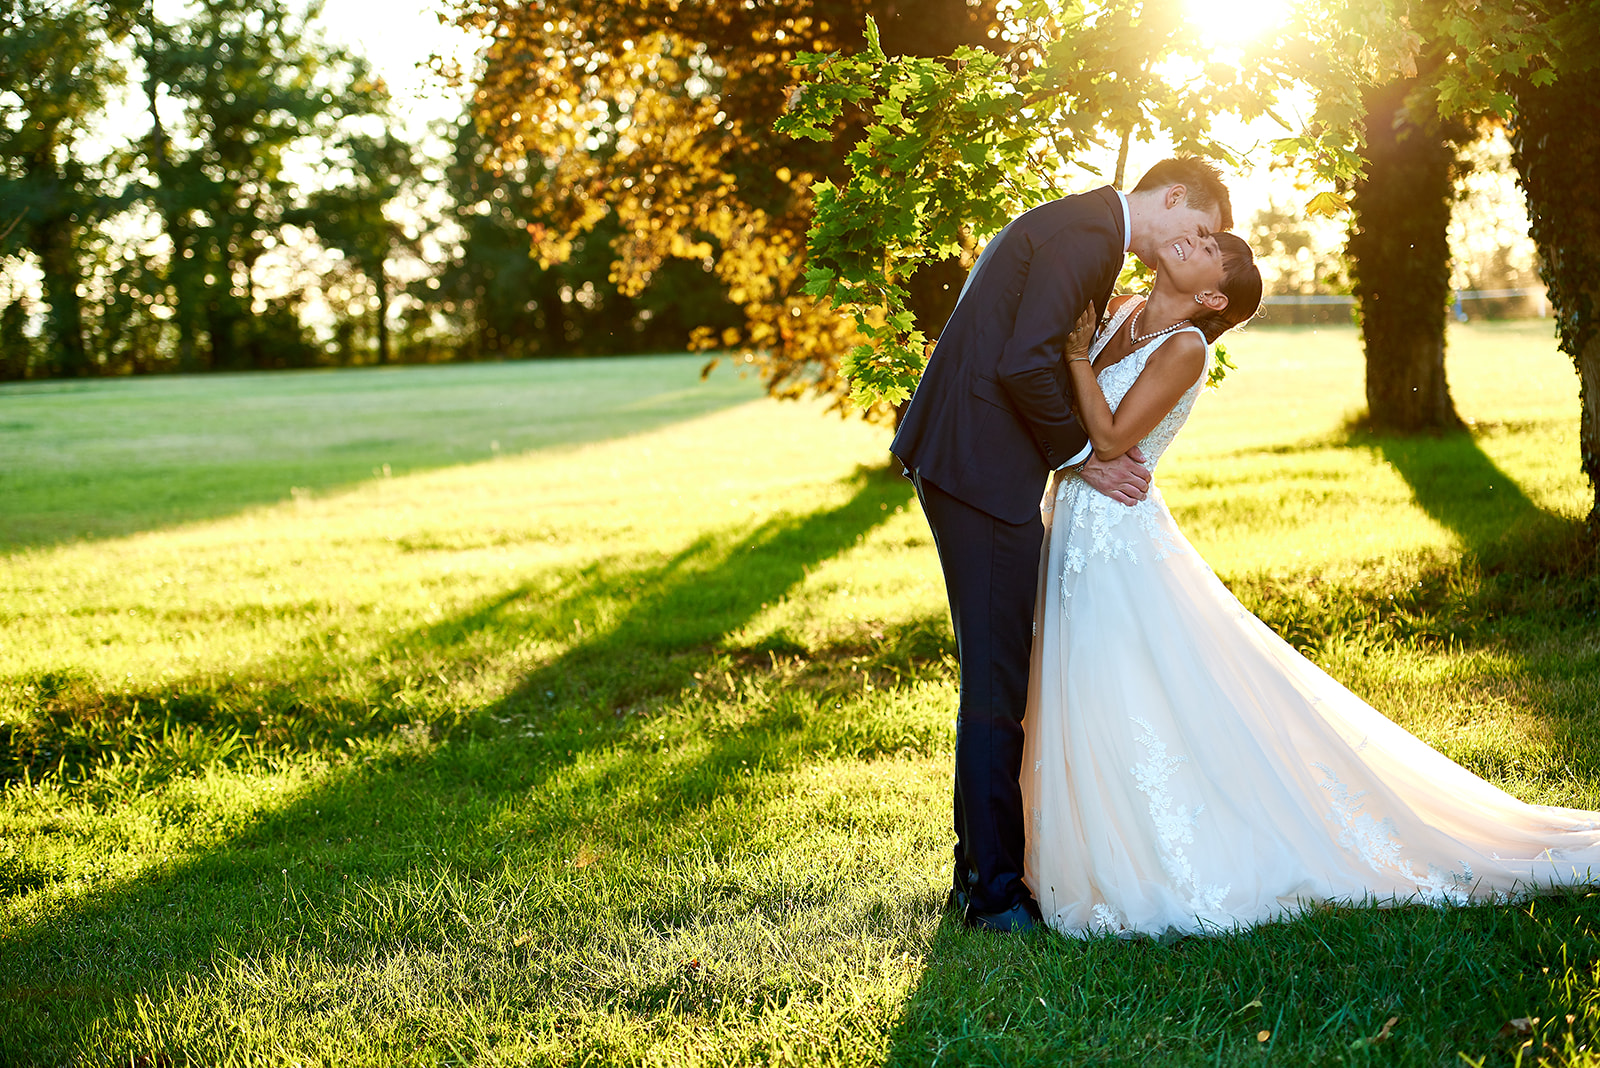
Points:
(1221, 364)
(1327, 203)
(874, 48)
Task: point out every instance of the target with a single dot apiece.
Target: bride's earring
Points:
(1197, 299)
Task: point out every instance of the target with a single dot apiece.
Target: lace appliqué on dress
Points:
(1174, 823)
(1101, 517)
(1377, 842)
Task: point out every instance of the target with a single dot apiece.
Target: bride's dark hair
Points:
(1241, 284)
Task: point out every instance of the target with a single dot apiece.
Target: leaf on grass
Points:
(584, 857)
(1262, 1036)
(522, 939)
(1521, 1027)
(1381, 1036)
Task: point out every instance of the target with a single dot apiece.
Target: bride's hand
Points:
(1082, 334)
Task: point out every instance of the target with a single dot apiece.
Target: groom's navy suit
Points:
(988, 422)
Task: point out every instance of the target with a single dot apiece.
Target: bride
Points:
(1185, 769)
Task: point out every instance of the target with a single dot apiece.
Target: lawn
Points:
(105, 458)
(610, 723)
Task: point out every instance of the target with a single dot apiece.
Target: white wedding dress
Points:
(1187, 770)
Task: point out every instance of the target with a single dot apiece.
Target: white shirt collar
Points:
(1127, 223)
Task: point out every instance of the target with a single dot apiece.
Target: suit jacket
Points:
(990, 418)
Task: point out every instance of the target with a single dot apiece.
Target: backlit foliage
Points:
(659, 114)
(957, 147)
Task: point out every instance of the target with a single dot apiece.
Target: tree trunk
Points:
(52, 242)
(222, 321)
(187, 297)
(180, 272)
(1556, 148)
(16, 351)
(1399, 254)
(380, 280)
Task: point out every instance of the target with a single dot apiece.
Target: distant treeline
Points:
(229, 192)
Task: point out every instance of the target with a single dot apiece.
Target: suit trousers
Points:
(991, 571)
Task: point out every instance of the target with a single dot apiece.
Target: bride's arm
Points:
(1167, 375)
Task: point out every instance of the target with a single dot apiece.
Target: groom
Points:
(988, 423)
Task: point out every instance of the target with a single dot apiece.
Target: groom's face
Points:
(1177, 220)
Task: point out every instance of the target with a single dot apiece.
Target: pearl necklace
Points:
(1135, 342)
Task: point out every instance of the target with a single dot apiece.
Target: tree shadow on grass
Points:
(326, 871)
(1463, 490)
(1522, 574)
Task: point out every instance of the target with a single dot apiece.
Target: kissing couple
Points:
(1135, 752)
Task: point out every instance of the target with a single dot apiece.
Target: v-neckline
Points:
(1123, 315)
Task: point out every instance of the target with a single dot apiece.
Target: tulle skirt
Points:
(1187, 770)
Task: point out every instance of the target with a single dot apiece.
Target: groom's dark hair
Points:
(1202, 181)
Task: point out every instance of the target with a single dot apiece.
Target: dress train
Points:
(1186, 769)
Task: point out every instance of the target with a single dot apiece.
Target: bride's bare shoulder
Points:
(1183, 354)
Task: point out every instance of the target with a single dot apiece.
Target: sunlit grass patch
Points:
(633, 746)
(106, 457)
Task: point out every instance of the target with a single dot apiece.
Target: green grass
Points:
(106, 458)
(631, 743)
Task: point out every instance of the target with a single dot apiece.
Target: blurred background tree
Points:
(502, 303)
(216, 187)
(251, 82)
(353, 216)
(56, 68)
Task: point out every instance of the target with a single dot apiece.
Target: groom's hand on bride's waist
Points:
(1124, 479)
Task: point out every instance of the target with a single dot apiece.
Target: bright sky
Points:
(398, 36)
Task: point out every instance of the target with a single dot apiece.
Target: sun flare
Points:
(1225, 22)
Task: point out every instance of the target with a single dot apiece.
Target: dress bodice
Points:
(1072, 501)
(1116, 380)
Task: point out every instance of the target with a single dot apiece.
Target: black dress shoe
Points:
(1018, 919)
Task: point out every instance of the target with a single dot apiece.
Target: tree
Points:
(252, 81)
(658, 115)
(352, 216)
(1399, 255)
(1557, 151)
(55, 68)
(505, 304)
(1294, 254)
(16, 348)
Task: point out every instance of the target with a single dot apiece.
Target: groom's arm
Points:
(1061, 270)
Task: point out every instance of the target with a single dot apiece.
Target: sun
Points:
(1233, 22)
